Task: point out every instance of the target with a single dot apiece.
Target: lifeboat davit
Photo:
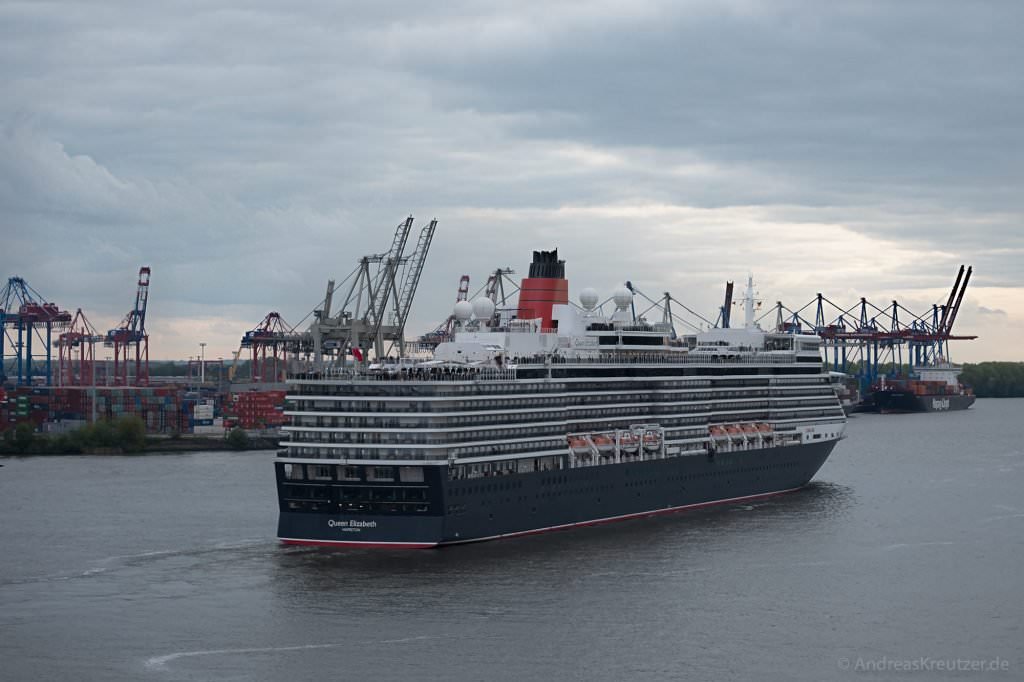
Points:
(652, 441)
(604, 443)
(579, 446)
(629, 442)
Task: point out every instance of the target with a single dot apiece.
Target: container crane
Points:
(411, 281)
(76, 348)
(363, 322)
(269, 343)
(872, 336)
(25, 316)
(443, 331)
(131, 336)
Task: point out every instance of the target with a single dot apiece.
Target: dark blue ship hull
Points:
(456, 511)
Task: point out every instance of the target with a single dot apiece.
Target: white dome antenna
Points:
(463, 311)
(623, 298)
(483, 309)
(589, 299)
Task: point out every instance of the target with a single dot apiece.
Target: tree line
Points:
(987, 379)
(124, 434)
(995, 379)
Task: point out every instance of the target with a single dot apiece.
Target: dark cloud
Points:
(248, 151)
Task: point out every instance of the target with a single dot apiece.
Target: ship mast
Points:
(749, 304)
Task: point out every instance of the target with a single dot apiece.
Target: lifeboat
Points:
(604, 443)
(579, 446)
(749, 428)
(629, 442)
(734, 431)
(652, 441)
(764, 428)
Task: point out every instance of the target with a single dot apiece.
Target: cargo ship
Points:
(847, 390)
(549, 416)
(933, 388)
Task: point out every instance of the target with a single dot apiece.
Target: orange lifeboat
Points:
(629, 442)
(604, 443)
(579, 446)
(764, 428)
(652, 441)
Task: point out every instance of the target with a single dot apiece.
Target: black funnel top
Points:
(546, 264)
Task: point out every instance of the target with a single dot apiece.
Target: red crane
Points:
(131, 335)
(76, 349)
(269, 344)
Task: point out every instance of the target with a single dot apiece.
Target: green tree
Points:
(130, 433)
(24, 435)
(238, 439)
(99, 434)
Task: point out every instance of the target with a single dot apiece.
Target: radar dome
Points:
(483, 308)
(463, 311)
(588, 298)
(623, 297)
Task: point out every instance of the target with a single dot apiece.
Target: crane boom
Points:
(956, 306)
(727, 306)
(949, 302)
(412, 275)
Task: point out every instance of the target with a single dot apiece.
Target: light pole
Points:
(202, 363)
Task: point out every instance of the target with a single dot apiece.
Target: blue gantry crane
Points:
(27, 324)
(873, 336)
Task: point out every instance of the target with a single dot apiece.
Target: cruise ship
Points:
(550, 416)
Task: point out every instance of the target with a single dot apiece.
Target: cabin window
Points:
(381, 474)
(348, 473)
(293, 472)
(410, 474)
(319, 472)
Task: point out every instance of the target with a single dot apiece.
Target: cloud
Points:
(249, 151)
(982, 310)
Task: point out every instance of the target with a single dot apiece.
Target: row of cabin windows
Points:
(630, 397)
(608, 422)
(483, 388)
(332, 472)
(365, 394)
(354, 493)
(506, 467)
(444, 437)
(654, 408)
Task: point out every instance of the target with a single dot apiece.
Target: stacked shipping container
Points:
(257, 409)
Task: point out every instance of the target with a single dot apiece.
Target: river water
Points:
(906, 550)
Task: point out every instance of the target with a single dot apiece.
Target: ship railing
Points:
(605, 358)
(428, 374)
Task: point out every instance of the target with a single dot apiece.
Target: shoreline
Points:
(162, 446)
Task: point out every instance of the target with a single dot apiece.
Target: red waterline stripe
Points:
(357, 543)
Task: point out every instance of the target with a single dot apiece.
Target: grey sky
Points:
(248, 151)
